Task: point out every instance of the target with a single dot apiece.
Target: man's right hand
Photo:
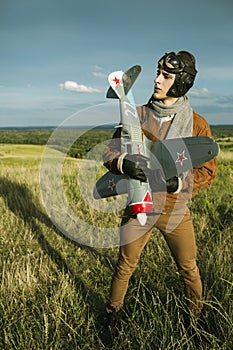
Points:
(134, 165)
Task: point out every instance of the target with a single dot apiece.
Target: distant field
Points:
(79, 149)
(27, 151)
(53, 290)
(12, 150)
(24, 150)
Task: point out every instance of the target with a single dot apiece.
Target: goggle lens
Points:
(172, 63)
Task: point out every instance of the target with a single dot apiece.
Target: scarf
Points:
(182, 123)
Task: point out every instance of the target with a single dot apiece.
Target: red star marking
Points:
(180, 158)
(117, 81)
(111, 184)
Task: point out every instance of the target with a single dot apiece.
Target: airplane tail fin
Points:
(129, 78)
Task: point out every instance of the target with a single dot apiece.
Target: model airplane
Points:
(172, 156)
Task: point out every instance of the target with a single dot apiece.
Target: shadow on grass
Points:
(21, 202)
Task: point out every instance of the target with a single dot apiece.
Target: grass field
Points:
(53, 290)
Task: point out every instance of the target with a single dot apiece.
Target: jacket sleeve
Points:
(112, 152)
(203, 175)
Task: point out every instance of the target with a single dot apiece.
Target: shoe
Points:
(111, 327)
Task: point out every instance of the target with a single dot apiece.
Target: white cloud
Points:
(98, 68)
(211, 100)
(98, 72)
(195, 93)
(100, 75)
(74, 86)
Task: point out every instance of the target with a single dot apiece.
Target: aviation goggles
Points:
(172, 63)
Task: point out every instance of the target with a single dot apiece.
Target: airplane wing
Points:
(172, 156)
(110, 185)
(176, 156)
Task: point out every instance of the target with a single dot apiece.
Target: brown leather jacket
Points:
(199, 178)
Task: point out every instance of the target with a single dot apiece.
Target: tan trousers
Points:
(177, 229)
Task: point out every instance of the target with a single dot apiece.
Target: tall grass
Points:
(53, 290)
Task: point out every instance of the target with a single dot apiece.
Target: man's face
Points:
(163, 82)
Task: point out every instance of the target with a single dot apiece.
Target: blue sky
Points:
(46, 44)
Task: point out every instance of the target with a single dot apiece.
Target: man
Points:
(167, 115)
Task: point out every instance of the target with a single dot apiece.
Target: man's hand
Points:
(172, 184)
(134, 165)
(159, 184)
